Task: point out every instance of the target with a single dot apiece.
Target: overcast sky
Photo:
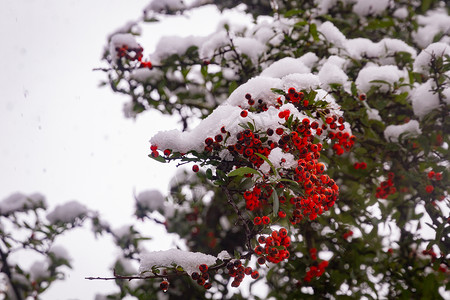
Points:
(65, 137)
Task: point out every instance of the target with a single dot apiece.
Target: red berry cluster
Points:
(315, 271)
(436, 176)
(431, 253)
(386, 187)
(313, 253)
(238, 272)
(154, 150)
(275, 247)
(361, 165)
(133, 54)
(202, 277)
(347, 234)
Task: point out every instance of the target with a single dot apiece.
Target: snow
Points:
(189, 261)
(67, 212)
(370, 7)
(301, 81)
(423, 99)
(309, 59)
(39, 269)
(285, 66)
(390, 74)
(159, 6)
(410, 129)
(373, 114)
(151, 200)
(122, 231)
(170, 45)
(152, 76)
(331, 73)
(332, 34)
(423, 61)
(21, 202)
(224, 255)
(401, 13)
(259, 87)
(213, 42)
(250, 47)
(434, 22)
(60, 252)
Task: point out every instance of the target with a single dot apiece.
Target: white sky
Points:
(65, 137)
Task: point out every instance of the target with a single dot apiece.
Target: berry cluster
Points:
(238, 272)
(386, 187)
(275, 247)
(315, 271)
(313, 253)
(133, 54)
(436, 176)
(431, 253)
(202, 277)
(360, 165)
(288, 179)
(347, 234)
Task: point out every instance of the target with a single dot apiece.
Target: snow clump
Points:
(189, 261)
(21, 202)
(151, 200)
(411, 129)
(67, 212)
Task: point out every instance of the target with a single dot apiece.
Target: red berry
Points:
(195, 168)
(207, 285)
(362, 97)
(167, 152)
(261, 260)
(429, 189)
(255, 274)
(257, 221)
(265, 220)
(164, 285)
(203, 268)
(281, 214)
(244, 113)
(431, 174)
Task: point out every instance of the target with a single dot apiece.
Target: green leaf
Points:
(425, 5)
(293, 12)
(313, 31)
(159, 158)
(209, 174)
(233, 85)
(242, 171)
(354, 89)
(278, 91)
(276, 202)
(204, 71)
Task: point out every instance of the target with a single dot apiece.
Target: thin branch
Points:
(248, 232)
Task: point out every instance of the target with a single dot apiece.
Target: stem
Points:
(248, 232)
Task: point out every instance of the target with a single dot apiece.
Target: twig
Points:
(240, 216)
